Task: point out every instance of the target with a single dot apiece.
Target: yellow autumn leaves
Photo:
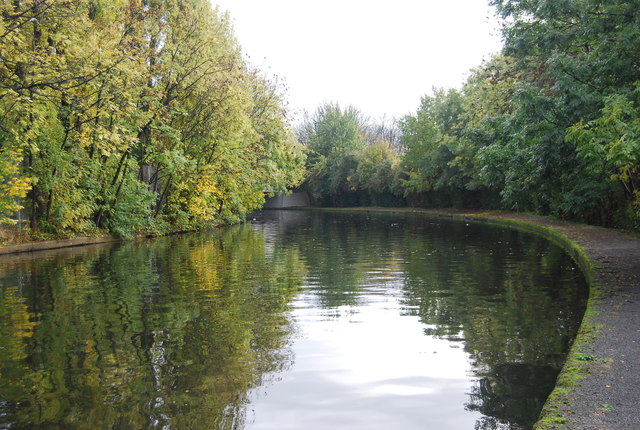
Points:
(126, 115)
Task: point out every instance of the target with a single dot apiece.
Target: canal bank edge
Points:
(55, 244)
(558, 408)
(46, 245)
(599, 385)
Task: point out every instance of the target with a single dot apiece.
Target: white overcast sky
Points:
(379, 56)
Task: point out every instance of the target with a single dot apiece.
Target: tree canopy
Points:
(123, 115)
(129, 115)
(351, 160)
(548, 125)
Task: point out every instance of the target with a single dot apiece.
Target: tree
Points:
(13, 186)
(333, 136)
(378, 173)
(125, 115)
(435, 143)
(589, 49)
(610, 146)
(68, 69)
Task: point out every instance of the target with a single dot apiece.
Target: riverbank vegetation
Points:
(550, 125)
(128, 115)
(124, 116)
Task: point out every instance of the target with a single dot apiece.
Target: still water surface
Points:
(294, 320)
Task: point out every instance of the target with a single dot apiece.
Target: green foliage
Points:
(431, 138)
(13, 186)
(581, 107)
(378, 168)
(549, 125)
(610, 144)
(349, 161)
(122, 116)
(333, 137)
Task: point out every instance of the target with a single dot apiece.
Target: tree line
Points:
(549, 125)
(142, 115)
(130, 115)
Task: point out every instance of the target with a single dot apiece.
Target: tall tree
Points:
(333, 137)
(590, 51)
(433, 139)
(121, 115)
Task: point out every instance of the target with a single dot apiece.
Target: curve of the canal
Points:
(298, 318)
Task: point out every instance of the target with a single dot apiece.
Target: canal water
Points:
(294, 320)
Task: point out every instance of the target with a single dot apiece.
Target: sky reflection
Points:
(366, 367)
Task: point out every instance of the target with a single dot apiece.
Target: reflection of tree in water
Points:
(514, 301)
(511, 395)
(174, 333)
(509, 297)
(167, 334)
(333, 251)
(340, 250)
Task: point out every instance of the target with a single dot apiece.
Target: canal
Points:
(295, 319)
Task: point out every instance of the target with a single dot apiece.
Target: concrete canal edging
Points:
(55, 244)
